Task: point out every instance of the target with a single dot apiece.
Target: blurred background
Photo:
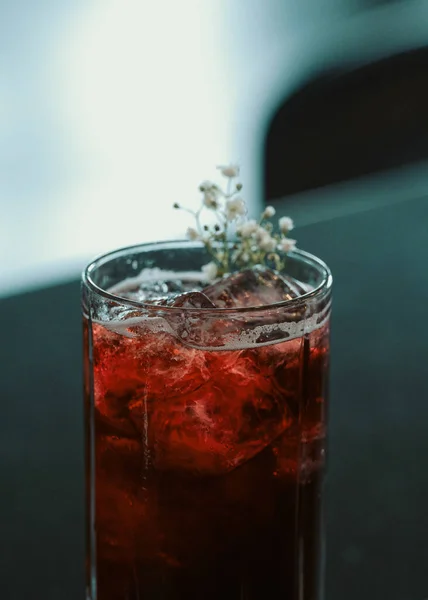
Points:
(110, 111)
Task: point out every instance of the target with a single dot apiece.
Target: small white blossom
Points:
(192, 234)
(285, 224)
(210, 270)
(229, 170)
(248, 228)
(235, 207)
(261, 232)
(206, 185)
(211, 199)
(287, 244)
(267, 243)
(245, 257)
(211, 193)
(269, 212)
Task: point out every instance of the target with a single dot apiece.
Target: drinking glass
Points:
(205, 433)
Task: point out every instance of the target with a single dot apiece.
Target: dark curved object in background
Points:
(342, 125)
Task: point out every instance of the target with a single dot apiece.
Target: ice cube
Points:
(189, 326)
(156, 286)
(218, 426)
(191, 300)
(252, 287)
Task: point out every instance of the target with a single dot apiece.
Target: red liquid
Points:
(207, 469)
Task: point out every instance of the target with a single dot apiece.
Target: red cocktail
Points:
(205, 433)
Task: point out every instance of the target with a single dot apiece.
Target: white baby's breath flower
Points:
(211, 199)
(210, 270)
(287, 244)
(261, 232)
(248, 228)
(211, 193)
(192, 234)
(267, 243)
(206, 185)
(229, 170)
(269, 212)
(285, 224)
(235, 207)
(255, 242)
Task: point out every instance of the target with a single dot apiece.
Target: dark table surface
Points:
(377, 524)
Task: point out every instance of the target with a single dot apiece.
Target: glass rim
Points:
(98, 261)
